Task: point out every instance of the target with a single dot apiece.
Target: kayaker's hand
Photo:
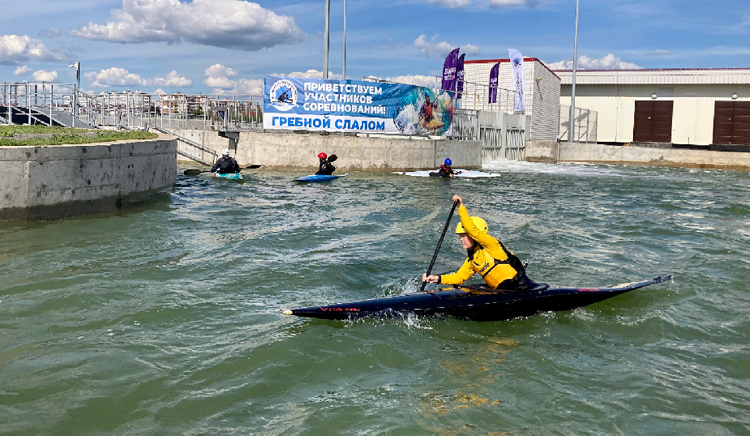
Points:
(457, 199)
(430, 279)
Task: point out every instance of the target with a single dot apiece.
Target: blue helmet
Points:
(448, 162)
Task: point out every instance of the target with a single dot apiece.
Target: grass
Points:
(64, 135)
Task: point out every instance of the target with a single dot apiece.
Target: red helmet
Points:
(322, 156)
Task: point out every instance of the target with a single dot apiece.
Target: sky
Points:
(228, 46)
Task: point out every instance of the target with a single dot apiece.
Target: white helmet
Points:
(225, 152)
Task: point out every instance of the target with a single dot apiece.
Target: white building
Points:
(679, 106)
(541, 88)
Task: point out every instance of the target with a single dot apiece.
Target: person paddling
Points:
(498, 266)
(326, 168)
(445, 170)
(225, 164)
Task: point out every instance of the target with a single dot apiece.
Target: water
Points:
(164, 319)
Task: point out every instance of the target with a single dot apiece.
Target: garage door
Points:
(653, 121)
(732, 122)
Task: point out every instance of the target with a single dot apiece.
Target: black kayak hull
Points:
(478, 304)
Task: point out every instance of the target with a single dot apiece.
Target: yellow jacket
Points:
(489, 257)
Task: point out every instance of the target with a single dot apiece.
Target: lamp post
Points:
(571, 131)
(343, 72)
(326, 38)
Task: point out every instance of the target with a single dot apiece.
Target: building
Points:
(678, 106)
(541, 88)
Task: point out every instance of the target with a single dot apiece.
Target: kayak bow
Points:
(474, 303)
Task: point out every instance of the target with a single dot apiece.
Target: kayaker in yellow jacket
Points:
(489, 257)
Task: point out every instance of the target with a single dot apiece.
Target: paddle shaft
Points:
(440, 242)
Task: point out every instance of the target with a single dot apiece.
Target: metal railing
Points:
(586, 124)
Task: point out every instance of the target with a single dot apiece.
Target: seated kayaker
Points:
(489, 257)
(326, 168)
(445, 170)
(225, 164)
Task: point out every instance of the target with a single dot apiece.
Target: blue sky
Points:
(227, 46)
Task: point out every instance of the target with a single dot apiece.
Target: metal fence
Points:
(586, 124)
(25, 102)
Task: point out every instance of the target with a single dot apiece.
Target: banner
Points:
(449, 71)
(292, 103)
(516, 61)
(460, 76)
(494, 73)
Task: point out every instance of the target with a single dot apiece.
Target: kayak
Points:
(229, 176)
(477, 303)
(319, 178)
(469, 174)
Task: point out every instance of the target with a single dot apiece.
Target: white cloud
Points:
(312, 74)
(45, 76)
(437, 50)
(453, 4)
(221, 79)
(608, 62)
(506, 3)
(160, 91)
(49, 32)
(658, 53)
(22, 70)
(121, 77)
(233, 24)
(15, 49)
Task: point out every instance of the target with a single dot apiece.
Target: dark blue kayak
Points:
(319, 178)
(475, 303)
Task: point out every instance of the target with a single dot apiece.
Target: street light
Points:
(571, 135)
(343, 72)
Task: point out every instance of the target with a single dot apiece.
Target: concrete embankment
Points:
(553, 152)
(299, 151)
(52, 182)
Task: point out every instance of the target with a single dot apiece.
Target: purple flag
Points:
(494, 72)
(460, 77)
(449, 71)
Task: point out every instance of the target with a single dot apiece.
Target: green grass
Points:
(64, 135)
(10, 130)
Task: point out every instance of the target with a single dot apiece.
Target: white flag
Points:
(516, 61)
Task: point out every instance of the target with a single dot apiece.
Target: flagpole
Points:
(571, 130)
(326, 38)
(343, 72)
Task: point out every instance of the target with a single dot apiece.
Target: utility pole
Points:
(571, 131)
(326, 39)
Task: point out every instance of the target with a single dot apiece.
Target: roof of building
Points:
(494, 61)
(664, 76)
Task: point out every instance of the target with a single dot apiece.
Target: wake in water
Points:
(568, 169)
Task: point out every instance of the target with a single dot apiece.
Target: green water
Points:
(163, 319)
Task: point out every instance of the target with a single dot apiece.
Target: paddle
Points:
(440, 242)
(195, 171)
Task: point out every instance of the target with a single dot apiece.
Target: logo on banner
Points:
(516, 62)
(283, 95)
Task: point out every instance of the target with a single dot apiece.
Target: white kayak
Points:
(469, 174)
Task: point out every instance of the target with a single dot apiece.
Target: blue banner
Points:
(292, 103)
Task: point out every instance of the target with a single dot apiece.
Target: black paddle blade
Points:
(250, 167)
(192, 172)
(332, 158)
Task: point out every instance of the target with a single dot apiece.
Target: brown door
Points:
(732, 122)
(653, 121)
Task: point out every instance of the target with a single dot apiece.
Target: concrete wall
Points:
(553, 152)
(299, 151)
(692, 118)
(52, 182)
